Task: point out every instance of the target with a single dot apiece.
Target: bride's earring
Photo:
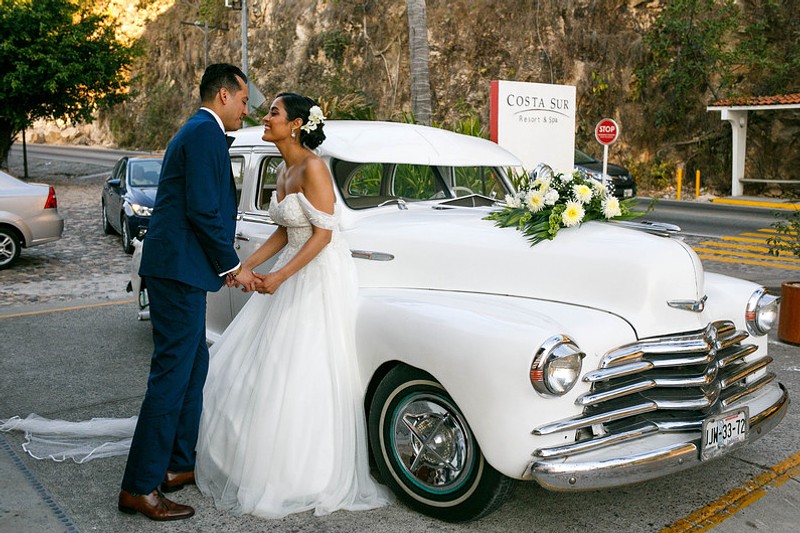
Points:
(293, 134)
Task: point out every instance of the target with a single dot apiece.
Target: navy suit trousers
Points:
(169, 420)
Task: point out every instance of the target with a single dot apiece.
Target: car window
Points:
(119, 169)
(418, 182)
(582, 158)
(267, 181)
(371, 184)
(144, 173)
(478, 180)
(237, 166)
(366, 180)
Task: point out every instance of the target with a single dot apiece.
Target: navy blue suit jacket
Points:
(190, 235)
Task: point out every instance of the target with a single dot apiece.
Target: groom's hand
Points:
(246, 279)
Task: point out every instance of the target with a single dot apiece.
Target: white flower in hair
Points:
(315, 117)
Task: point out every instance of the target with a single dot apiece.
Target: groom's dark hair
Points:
(220, 75)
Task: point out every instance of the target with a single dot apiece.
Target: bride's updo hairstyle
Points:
(300, 106)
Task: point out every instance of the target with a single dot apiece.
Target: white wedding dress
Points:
(283, 428)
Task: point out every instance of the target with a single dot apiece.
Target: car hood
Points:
(145, 196)
(598, 265)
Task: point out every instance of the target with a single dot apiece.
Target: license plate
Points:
(722, 432)
(627, 193)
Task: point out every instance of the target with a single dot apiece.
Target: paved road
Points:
(72, 349)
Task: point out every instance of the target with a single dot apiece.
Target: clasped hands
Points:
(250, 281)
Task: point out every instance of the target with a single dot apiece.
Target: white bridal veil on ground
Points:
(60, 440)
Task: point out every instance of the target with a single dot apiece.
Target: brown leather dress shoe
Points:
(177, 480)
(154, 506)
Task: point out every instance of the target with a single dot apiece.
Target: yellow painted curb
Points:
(777, 204)
(731, 503)
(29, 313)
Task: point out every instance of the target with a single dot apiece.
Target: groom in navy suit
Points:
(188, 251)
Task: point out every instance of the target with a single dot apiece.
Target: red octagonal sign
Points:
(606, 131)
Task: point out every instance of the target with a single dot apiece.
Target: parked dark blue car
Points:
(128, 197)
(621, 179)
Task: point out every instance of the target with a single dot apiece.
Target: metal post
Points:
(204, 27)
(24, 155)
(697, 184)
(244, 37)
(205, 44)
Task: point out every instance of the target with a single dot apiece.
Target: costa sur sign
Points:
(534, 121)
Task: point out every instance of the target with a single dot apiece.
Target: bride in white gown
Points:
(283, 428)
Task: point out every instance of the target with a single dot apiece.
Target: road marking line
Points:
(29, 313)
(747, 262)
(737, 499)
(744, 239)
(751, 247)
(757, 203)
(739, 253)
(754, 234)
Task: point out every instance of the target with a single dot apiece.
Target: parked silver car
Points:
(28, 216)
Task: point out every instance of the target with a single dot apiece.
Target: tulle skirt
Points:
(283, 428)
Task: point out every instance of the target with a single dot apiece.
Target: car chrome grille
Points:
(661, 384)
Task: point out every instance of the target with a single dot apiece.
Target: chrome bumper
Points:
(647, 458)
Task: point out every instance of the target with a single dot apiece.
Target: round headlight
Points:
(761, 313)
(556, 366)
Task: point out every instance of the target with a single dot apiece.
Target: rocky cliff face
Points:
(354, 54)
(358, 50)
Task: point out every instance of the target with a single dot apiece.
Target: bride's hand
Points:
(269, 284)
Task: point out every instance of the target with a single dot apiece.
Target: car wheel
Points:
(9, 248)
(426, 452)
(107, 228)
(127, 241)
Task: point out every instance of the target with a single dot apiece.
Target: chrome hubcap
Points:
(431, 441)
(6, 248)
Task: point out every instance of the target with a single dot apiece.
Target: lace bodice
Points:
(298, 216)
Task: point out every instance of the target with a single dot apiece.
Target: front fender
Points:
(480, 348)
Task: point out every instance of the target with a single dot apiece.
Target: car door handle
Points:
(241, 237)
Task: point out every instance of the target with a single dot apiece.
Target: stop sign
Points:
(606, 131)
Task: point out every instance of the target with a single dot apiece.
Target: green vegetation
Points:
(787, 238)
(58, 60)
(700, 51)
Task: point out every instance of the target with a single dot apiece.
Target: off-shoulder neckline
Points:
(303, 196)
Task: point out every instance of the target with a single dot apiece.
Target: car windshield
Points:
(144, 173)
(364, 185)
(582, 158)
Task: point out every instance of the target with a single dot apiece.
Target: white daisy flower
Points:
(600, 188)
(611, 207)
(573, 214)
(583, 193)
(512, 200)
(534, 201)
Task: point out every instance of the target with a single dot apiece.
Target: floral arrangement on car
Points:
(546, 202)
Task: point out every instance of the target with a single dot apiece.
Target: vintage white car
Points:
(604, 357)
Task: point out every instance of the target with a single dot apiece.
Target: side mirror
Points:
(113, 182)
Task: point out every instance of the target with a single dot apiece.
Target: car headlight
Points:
(761, 313)
(556, 366)
(141, 210)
